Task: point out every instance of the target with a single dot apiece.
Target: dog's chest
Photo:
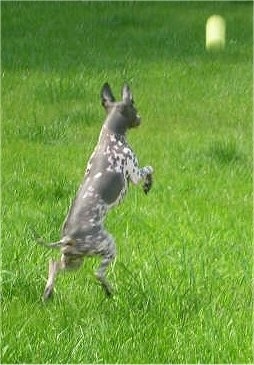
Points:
(107, 173)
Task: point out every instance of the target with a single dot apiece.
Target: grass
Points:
(183, 271)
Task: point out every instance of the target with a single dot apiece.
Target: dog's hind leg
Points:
(67, 262)
(108, 255)
(54, 267)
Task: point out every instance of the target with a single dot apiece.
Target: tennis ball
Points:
(215, 33)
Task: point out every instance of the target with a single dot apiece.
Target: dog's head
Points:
(122, 115)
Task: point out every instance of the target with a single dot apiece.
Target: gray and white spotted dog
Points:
(110, 168)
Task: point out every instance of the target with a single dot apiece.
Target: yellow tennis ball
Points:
(215, 33)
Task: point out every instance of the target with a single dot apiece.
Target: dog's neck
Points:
(116, 123)
(117, 136)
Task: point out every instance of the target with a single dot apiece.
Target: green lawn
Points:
(183, 270)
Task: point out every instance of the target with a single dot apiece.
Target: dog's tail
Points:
(57, 244)
(53, 245)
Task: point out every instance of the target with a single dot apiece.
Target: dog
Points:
(111, 167)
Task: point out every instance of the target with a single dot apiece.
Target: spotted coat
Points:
(112, 166)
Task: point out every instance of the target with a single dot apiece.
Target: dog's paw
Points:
(149, 170)
(148, 182)
(48, 293)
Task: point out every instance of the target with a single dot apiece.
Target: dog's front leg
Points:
(141, 174)
(148, 182)
(146, 174)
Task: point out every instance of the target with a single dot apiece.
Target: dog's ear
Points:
(107, 96)
(126, 94)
